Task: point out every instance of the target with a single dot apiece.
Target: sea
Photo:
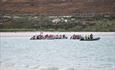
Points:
(18, 52)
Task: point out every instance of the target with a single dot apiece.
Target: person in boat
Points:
(91, 36)
(73, 36)
(37, 37)
(57, 36)
(82, 38)
(64, 36)
(46, 36)
(86, 37)
(33, 37)
(79, 36)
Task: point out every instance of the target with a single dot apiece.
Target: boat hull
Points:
(90, 39)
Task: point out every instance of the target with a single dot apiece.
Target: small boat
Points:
(90, 39)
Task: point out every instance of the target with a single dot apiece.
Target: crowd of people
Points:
(51, 36)
(87, 37)
(75, 36)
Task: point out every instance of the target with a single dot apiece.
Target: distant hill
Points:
(57, 7)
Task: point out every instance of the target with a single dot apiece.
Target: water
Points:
(58, 54)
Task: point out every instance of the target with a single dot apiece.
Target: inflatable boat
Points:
(90, 39)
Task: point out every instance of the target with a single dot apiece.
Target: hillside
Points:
(57, 7)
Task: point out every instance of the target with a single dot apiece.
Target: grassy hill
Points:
(48, 15)
(57, 7)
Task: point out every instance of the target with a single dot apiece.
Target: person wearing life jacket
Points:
(33, 37)
(91, 36)
(64, 36)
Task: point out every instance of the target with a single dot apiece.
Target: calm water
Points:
(59, 54)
